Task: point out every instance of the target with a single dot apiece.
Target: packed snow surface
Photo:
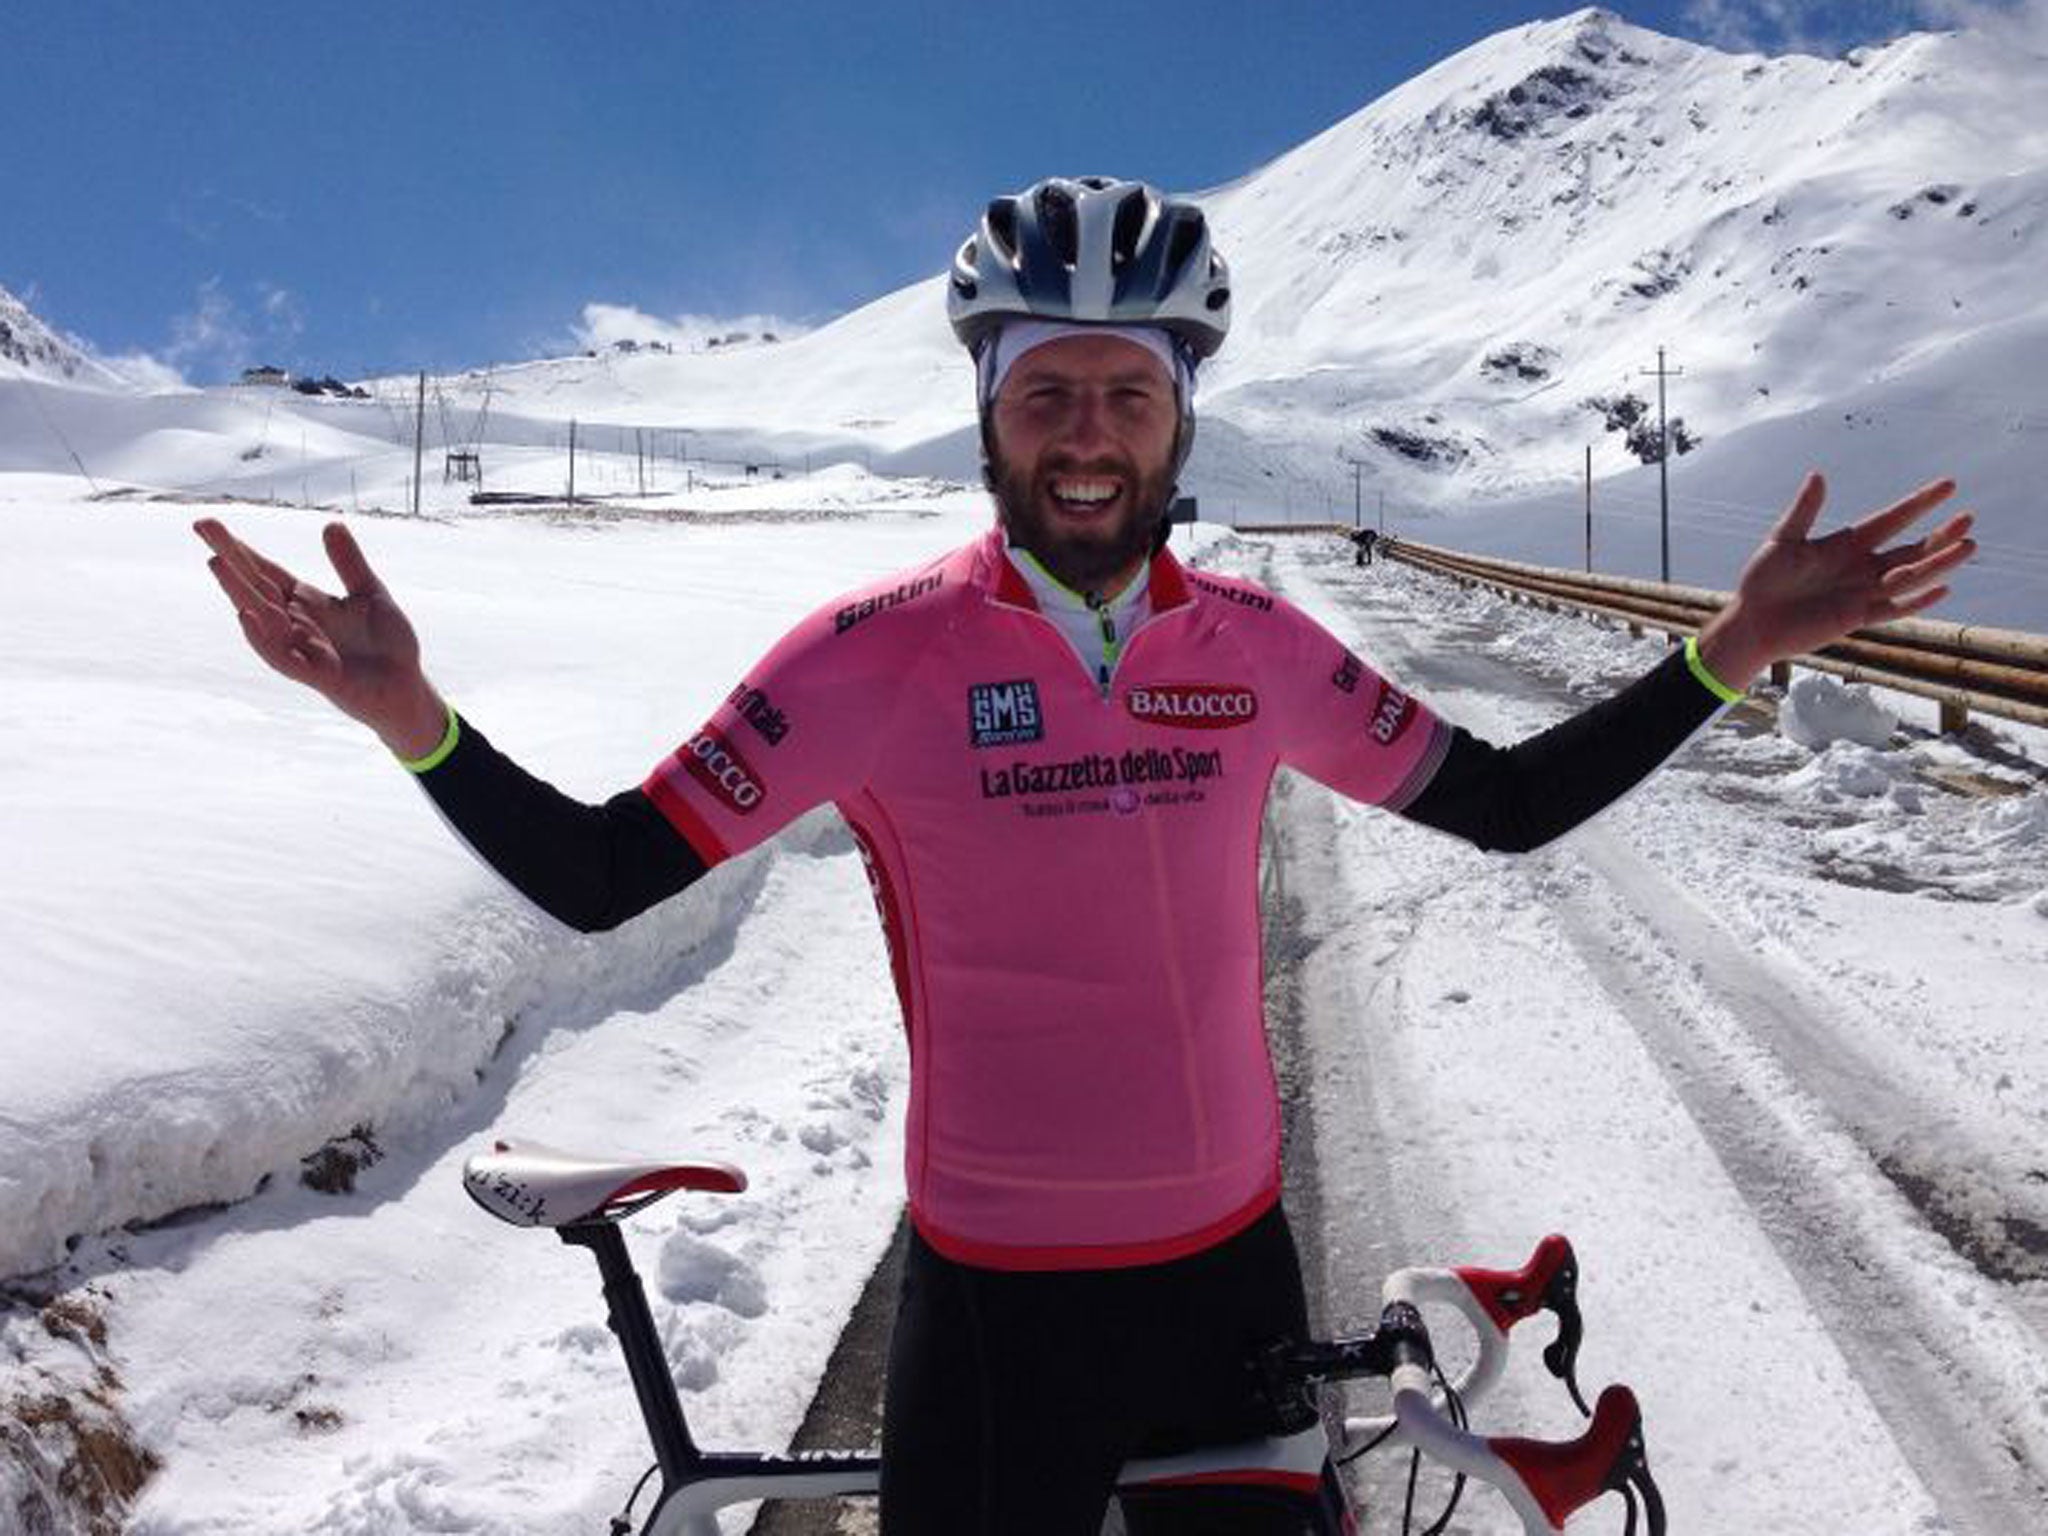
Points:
(1765, 1039)
(265, 941)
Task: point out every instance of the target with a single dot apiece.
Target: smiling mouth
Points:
(1085, 493)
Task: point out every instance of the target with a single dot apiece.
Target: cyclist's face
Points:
(1083, 455)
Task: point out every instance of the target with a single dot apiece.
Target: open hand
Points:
(1799, 593)
(358, 650)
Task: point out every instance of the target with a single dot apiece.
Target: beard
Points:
(1084, 553)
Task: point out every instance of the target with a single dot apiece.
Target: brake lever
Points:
(1559, 1477)
(1630, 1477)
(1561, 1354)
(1549, 1282)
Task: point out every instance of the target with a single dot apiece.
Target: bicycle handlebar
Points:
(1544, 1481)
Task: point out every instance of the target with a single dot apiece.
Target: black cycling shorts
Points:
(1013, 1398)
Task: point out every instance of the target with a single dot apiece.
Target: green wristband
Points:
(1711, 683)
(439, 755)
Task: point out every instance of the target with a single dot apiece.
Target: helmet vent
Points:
(1188, 232)
(1219, 298)
(1002, 228)
(1130, 223)
(1060, 225)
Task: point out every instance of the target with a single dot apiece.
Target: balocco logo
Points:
(713, 762)
(1392, 714)
(1193, 706)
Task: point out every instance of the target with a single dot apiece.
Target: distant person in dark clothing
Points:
(1363, 540)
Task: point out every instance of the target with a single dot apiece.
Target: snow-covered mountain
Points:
(30, 349)
(1439, 284)
(1442, 301)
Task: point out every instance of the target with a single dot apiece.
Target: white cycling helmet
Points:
(1091, 250)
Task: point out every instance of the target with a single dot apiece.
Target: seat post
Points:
(627, 1315)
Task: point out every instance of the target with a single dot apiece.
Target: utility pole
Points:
(1358, 493)
(1589, 509)
(640, 459)
(1664, 464)
(1383, 511)
(572, 461)
(419, 438)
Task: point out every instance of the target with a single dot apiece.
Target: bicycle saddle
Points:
(529, 1185)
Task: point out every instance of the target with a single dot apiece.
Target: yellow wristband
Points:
(439, 755)
(1711, 683)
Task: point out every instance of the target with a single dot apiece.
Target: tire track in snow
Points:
(1942, 1357)
(1954, 1371)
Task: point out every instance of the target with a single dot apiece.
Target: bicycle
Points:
(583, 1200)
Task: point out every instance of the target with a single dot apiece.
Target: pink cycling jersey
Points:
(1068, 876)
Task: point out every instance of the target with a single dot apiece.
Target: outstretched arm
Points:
(1513, 799)
(589, 866)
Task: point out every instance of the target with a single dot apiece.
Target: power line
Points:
(35, 396)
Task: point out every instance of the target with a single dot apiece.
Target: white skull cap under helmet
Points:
(1016, 337)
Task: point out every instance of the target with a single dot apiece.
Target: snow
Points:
(295, 948)
(1818, 711)
(1762, 1039)
(1828, 1043)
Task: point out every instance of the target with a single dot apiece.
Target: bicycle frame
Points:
(584, 1199)
(697, 1484)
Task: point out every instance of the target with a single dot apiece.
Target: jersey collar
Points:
(1001, 582)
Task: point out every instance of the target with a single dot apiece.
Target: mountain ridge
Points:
(1449, 285)
(1445, 298)
(29, 348)
(1594, 185)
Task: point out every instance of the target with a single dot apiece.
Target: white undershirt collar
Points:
(1098, 633)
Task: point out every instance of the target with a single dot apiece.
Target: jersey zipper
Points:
(1111, 647)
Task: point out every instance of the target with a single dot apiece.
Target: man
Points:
(1053, 746)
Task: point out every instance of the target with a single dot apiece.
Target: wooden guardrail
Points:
(1961, 667)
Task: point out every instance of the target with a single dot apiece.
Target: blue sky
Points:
(384, 186)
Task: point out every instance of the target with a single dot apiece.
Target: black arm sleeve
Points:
(590, 866)
(1520, 797)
